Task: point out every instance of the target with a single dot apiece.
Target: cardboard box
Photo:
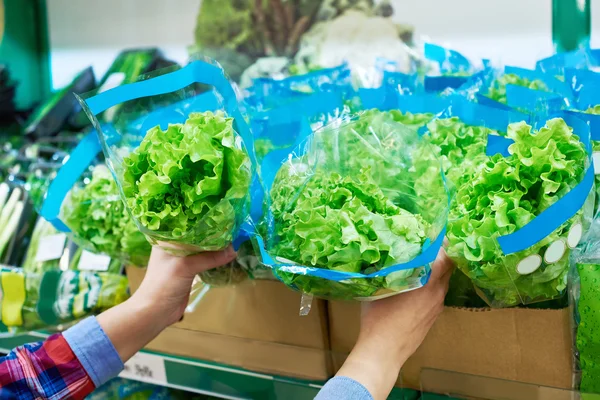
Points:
(254, 325)
(525, 345)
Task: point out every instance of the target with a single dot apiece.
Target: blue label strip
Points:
(449, 60)
(79, 160)
(564, 209)
(89, 148)
(427, 256)
(550, 219)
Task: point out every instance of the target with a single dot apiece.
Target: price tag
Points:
(93, 262)
(145, 367)
(51, 247)
(596, 158)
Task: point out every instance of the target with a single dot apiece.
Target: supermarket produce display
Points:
(335, 188)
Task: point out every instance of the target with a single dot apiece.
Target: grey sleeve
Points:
(342, 388)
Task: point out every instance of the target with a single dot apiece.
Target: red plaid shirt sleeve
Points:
(46, 370)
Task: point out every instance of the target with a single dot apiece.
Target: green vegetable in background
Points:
(42, 229)
(188, 186)
(502, 197)
(55, 297)
(588, 340)
(498, 89)
(99, 221)
(595, 147)
(349, 205)
(11, 210)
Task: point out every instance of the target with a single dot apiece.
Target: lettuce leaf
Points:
(502, 196)
(188, 186)
(349, 204)
(497, 90)
(100, 222)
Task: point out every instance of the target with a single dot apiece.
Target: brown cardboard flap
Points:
(254, 325)
(258, 356)
(532, 346)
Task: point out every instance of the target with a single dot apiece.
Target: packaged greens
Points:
(46, 250)
(49, 118)
(100, 223)
(54, 298)
(505, 88)
(519, 215)
(17, 218)
(346, 218)
(180, 163)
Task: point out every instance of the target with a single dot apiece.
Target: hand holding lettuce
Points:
(348, 204)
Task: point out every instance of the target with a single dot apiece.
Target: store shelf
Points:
(208, 378)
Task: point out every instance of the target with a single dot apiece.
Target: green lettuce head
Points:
(100, 222)
(350, 203)
(497, 90)
(504, 195)
(187, 186)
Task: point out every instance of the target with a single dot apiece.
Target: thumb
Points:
(210, 259)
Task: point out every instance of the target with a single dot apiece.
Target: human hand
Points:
(160, 301)
(393, 328)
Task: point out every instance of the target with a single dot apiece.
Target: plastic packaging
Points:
(54, 298)
(518, 88)
(516, 221)
(126, 68)
(179, 156)
(351, 212)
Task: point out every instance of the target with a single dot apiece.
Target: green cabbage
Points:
(188, 186)
(497, 90)
(350, 205)
(100, 223)
(502, 196)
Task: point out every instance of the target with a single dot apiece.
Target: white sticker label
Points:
(113, 80)
(93, 262)
(51, 247)
(145, 367)
(596, 158)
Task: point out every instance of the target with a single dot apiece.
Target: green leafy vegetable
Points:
(100, 223)
(349, 205)
(502, 197)
(188, 185)
(596, 147)
(498, 89)
(42, 229)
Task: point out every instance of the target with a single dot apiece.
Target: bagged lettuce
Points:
(345, 219)
(179, 157)
(56, 298)
(99, 221)
(518, 217)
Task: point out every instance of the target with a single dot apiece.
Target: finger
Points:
(442, 267)
(210, 259)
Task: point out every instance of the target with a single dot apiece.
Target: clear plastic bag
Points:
(518, 217)
(53, 299)
(178, 154)
(99, 221)
(351, 214)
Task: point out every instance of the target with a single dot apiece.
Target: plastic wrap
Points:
(352, 212)
(518, 88)
(179, 157)
(518, 217)
(52, 299)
